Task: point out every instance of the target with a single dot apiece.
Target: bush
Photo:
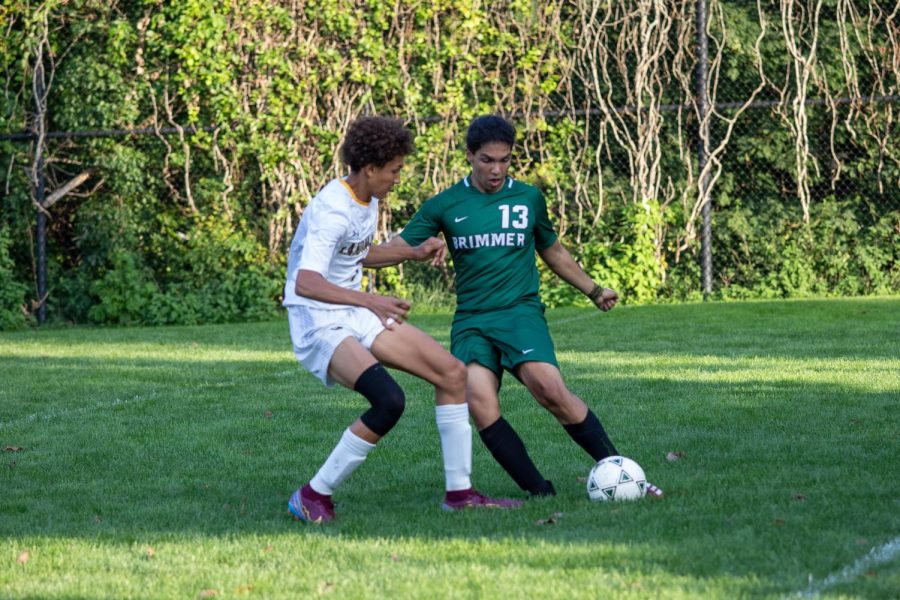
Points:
(125, 292)
(770, 253)
(216, 273)
(12, 292)
(622, 256)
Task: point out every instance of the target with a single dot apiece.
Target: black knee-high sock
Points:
(508, 449)
(590, 435)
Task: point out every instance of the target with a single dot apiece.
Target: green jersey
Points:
(492, 239)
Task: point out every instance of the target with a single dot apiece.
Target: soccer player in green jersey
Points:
(493, 224)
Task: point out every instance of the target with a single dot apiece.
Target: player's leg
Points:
(483, 394)
(497, 434)
(356, 368)
(545, 383)
(409, 349)
(527, 350)
(335, 355)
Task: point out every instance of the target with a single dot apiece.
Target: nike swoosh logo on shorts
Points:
(460, 219)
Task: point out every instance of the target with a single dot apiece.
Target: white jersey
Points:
(333, 238)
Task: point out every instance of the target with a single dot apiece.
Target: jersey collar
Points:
(353, 194)
(468, 184)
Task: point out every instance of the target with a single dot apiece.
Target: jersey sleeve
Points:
(326, 229)
(425, 223)
(544, 234)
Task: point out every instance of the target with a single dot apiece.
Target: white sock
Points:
(456, 443)
(349, 453)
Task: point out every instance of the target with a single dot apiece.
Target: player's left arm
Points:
(561, 262)
(398, 250)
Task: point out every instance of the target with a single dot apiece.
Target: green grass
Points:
(157, 463)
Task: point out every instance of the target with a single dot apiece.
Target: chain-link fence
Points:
(850, 187)
(751, 156)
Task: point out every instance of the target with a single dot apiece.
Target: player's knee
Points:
(483, 414)
(455, 376)
(552, 394)
(385, 412)
(392, 402)
(484, 407)
(386, 397)
(544, 391)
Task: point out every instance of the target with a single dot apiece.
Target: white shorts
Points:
(316, 333)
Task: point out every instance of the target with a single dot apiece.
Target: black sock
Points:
(589, 434)
(508, 449)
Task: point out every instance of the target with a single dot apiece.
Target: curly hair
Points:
(375, 141)
(489, 128)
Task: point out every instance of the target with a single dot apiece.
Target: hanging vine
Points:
(602, 93)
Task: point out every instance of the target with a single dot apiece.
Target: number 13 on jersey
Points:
(520, 216)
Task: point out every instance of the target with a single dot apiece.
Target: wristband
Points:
(595, 292)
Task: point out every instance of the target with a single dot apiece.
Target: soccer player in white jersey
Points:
(346, 336)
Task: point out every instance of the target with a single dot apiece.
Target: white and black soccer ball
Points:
(616, 478)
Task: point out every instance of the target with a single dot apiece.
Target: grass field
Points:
(157, 463)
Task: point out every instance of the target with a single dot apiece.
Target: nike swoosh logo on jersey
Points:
(460, 219)
(527, 351)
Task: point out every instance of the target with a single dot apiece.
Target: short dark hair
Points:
(489, 128)
(375, 141)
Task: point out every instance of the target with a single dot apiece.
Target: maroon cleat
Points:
(310, 506)
(460, 499)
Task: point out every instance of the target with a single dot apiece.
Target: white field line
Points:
(583, 315)
(586, 313)
(137, 399)
(64, 412)
(876, 556)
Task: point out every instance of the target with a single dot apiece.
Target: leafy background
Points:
(193, 228)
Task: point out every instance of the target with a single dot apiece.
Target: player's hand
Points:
(433, 248)
(606, 300)
(392, 311)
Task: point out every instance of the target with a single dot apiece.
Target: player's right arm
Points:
(398, 250)
(313, 285)
(327, 227)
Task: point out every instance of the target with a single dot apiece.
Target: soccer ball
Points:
(616, 478)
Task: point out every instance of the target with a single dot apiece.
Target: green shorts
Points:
(503, 339)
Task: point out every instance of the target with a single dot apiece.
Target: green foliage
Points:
(12, 292)
(623, 257)
(877, 253)
(124, 292)
(216, 274)
(774, 257)
(634, 267)
(429, 288)
(193, 228)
